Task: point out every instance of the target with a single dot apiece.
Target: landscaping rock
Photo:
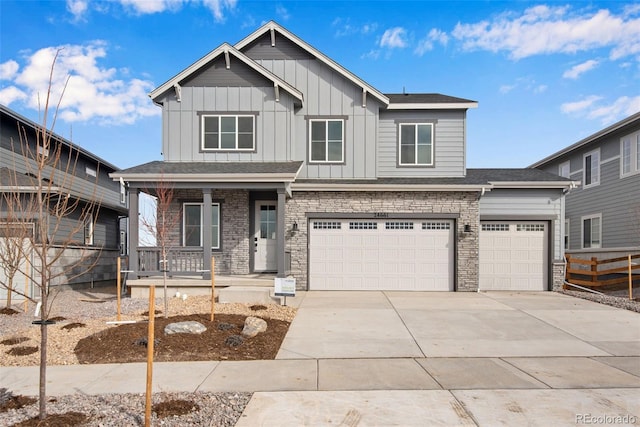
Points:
(184, 328)
(253, 326)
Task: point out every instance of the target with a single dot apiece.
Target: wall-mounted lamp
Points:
(467, 228)
(294, 227)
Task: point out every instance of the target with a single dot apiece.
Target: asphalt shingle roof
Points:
(160, 167)
(424, 98)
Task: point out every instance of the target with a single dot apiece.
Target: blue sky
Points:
(545, 74)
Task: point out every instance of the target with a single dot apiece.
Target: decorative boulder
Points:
(253, 326)
(184, 328)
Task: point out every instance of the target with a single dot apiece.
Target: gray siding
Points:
(449, 144)
(523, 204)
(616, 199)
(284, 49)
(217, 74)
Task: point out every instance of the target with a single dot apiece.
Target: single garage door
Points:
(365, 254)
(513, 256)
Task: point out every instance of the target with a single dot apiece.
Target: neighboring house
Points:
(283, 161)
(100, 236)
(602, 215)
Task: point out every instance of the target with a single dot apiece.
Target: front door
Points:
(265, 237)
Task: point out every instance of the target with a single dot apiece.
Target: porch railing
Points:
(180, 261)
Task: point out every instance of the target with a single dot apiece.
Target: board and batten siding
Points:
(273, 123)
(329, 94)
(521, 204)
(449, 144)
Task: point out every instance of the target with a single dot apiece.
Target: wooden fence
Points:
(593, 273)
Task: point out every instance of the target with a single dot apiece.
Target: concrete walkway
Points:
(399, 358)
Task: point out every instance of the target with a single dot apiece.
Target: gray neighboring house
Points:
(283, 161)
(602, 215)
(104, 238)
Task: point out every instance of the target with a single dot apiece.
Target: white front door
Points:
(265, 237)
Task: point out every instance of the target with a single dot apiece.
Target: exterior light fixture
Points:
(467, 228)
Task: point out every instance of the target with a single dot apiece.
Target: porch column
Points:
(206, 233)
(134, 231)
(281, 232)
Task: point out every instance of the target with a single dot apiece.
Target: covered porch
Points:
(231, 212)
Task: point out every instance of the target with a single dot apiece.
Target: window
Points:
(42, 151)
(630, 155)
(123, 193)
(88, 230)
(90, 171)
(567, 230)
(416, 144)
(591, 231)
(228, 133)
(591, 174)
(327, 225)
(564, 170)
(123, 243)
(193, 223)
(326, 139)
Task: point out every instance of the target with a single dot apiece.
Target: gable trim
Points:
(225, 49)
(272, 27)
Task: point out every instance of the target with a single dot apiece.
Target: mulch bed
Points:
(127, 343)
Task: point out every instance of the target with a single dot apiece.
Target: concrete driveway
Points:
(496, 358)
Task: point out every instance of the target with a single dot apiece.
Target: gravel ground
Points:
(94, 308)
(117, 410)
(619, 301)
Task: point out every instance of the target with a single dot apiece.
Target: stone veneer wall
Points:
(558, 275)
(233, 257)
(304, 204)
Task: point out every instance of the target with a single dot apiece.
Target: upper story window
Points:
(630, 154)
(88, 230)
(591, 170)
(326, 141)
(228, 133)
(564, 169)
(416, 144)
(90, 171)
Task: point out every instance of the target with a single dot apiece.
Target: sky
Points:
(545, 74)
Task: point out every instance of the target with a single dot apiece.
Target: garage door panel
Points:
(513, 256)
(391, 255)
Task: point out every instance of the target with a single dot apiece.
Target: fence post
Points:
(594, 269)
(567, 274)
(630, 280)
(118, 285)
(213, 287)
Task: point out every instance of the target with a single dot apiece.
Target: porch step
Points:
(247, 295)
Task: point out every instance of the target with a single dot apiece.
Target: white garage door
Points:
(513, 256)
(354, 254)
(20, 280)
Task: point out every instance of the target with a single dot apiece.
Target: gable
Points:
(216, 74)
(284, 48)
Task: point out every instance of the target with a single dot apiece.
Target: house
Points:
(284, 161)
(602, 215)
(98, 240)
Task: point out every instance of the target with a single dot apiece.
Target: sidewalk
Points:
(374, 358)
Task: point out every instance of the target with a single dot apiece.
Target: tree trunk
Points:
(42, 396)
(9, 291)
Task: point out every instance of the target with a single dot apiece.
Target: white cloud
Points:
(11, 94)
(372, 54)
(578, 107)
(426, 44)
(345, 28)
(144, 7)
(282, 12)
(507, 88)
(546, 30)
(218, 7)
(620, 108)
(8, 69)
(579, 69)
(92, 92)
(77, 8)
(394, 38)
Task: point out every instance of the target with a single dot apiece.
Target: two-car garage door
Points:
(381, 254)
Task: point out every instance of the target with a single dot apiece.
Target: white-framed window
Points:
(123, 242)
(90, 171)
(228, 132)
(192, 225)
(630, 154)
(415, 144)
(591, 169)
(326, 140)
(592, 231)
(567, 233)
(123, 193)
(564, 169)
(42, 151)
(88, 230)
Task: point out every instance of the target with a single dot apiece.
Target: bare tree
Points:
(13, 250)
(58, 214)
(163, 220)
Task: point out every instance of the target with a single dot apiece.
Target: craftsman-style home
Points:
(283, 161)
